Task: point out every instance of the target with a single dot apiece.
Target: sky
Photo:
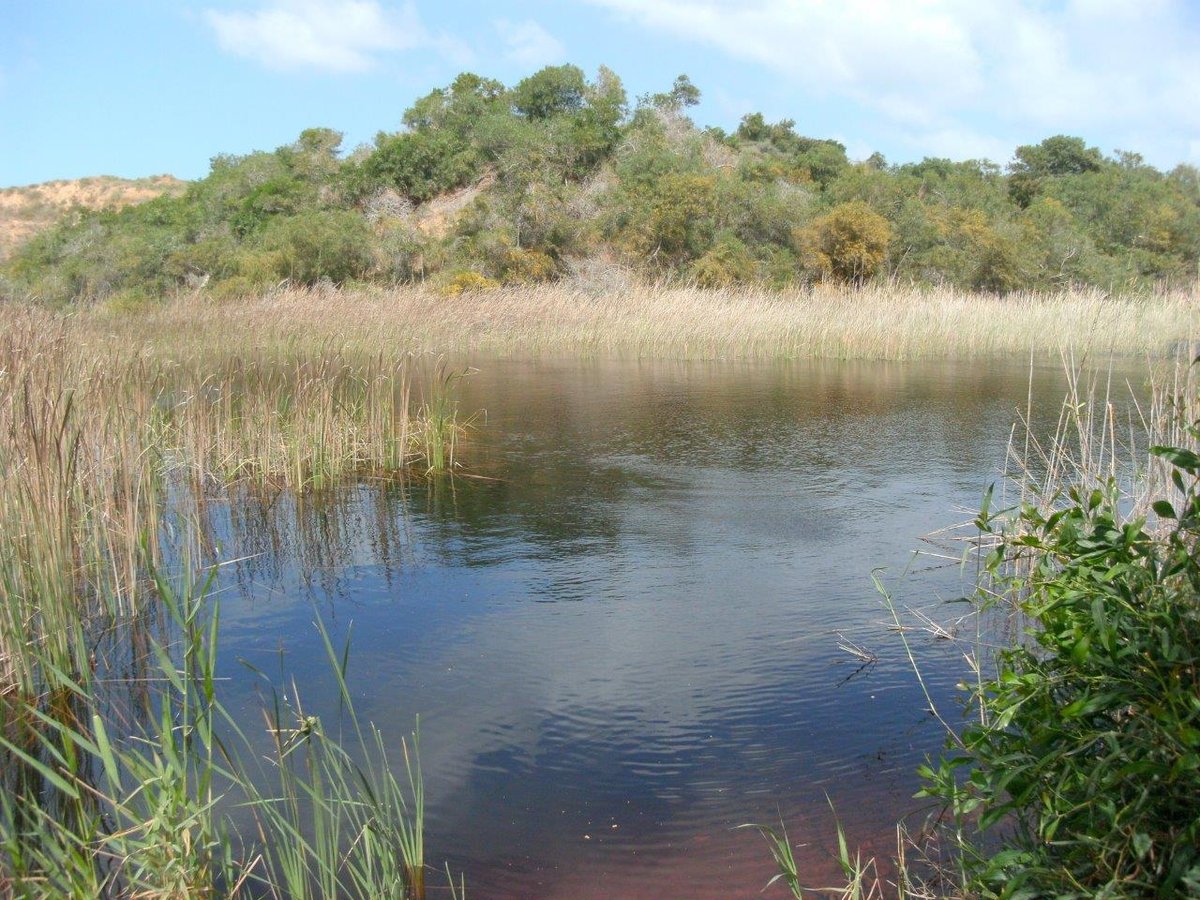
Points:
(143, 87)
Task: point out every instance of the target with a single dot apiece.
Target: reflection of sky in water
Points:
(630, 619)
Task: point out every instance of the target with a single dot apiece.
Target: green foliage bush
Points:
(419, 165)
(727, 262)
(321, 244)
(1087, 756)
(672, 223)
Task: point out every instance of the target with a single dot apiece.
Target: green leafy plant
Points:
(1086, 753)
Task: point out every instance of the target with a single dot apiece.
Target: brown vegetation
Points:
(607, 313)
(24, 211)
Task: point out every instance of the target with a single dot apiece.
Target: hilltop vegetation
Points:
(24, 211)
(486, 184)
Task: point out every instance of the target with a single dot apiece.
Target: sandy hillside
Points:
(24, 211)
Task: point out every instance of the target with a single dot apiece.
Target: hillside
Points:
(486, 184)
(24, 211)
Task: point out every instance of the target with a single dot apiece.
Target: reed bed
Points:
(111, 766)
(578, 318)
(93, 435)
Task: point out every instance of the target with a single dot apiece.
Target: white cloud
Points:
(529, 44)
(335, 35)
(952, 66)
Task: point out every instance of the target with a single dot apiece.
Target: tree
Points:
(458, 107)
(1058, 155)
(1052, 158)
(682, 94)
(553, 91)
(849, 243)
(596, 129)
(314, 156)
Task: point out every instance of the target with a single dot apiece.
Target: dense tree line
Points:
(561, 169)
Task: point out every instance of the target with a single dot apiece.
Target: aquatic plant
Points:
(119, 761)
(438, 430)
(614, 315)
(111, 794)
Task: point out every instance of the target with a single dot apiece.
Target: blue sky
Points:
(140, 87)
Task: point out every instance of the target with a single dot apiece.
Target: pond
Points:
(620, 624)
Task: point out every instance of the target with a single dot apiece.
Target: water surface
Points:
(620, 628)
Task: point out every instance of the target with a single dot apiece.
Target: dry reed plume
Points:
(93, 433)
(638, 320)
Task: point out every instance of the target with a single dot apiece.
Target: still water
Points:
(620, 625)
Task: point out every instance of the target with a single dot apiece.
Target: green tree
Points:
(681, 95)
(552, 91)
(420, 164)
(1052, 158)
(459, 107)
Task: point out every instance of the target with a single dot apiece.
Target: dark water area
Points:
(620, 625)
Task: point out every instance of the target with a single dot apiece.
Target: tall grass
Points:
(439, 427)
(136, 801)
(116, 755)
(96, 434)
(633, 319)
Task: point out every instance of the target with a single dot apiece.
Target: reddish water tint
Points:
(622, 638)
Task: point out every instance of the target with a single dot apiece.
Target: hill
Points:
(486, 184)
(27, 210)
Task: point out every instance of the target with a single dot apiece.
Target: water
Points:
(620, 629)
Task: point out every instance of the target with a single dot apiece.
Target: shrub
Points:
(525, 266)
(333, 244)
(673, 223)
(466, 283)
(728, 262)
(1088, 750)
(131, 300)
(420, 165)
(849, 243)
(236, 287)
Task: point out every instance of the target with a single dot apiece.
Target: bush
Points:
(466, 283)
(1089, 751)
(333, 244)
(672, 223)
(849, 243)
(236, 287)
(728, 262)
(131, 301)
(420, 165)
(526, 266)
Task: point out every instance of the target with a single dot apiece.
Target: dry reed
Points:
(94, 433)
(573, 318)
